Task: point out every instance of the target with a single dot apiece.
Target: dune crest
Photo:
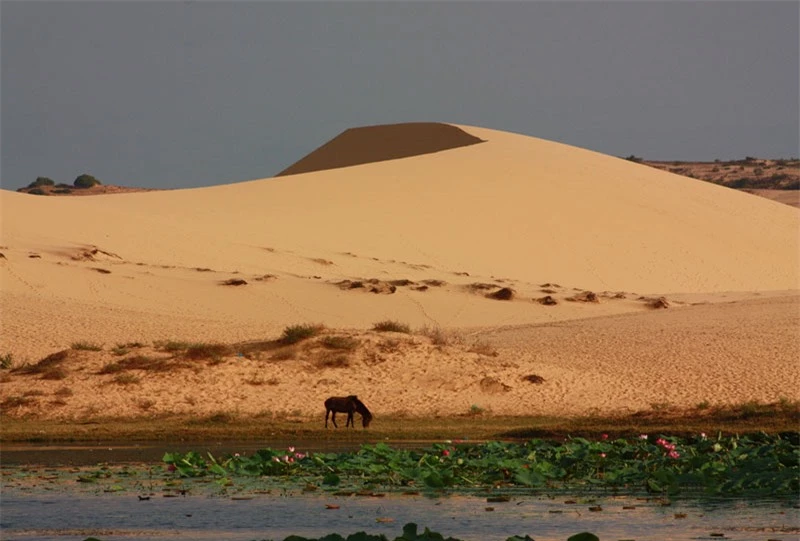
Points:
(369, 144)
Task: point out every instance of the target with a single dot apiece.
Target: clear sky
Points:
(184, 94)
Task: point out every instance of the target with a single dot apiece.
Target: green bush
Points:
(86, 181)
(37, 191)
(391, 326)
(296, 333)
(41, 181)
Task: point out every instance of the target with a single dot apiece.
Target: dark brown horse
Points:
(349, 405)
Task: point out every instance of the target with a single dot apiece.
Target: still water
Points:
(35, 515)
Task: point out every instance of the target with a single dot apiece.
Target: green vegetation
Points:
(723, 465)
(391, 326)
(298, 333)
(86, 346)
(86, 181)
(41, 181)
(6, 361)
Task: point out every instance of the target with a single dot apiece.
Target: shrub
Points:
(207, 351)
(6, 361)
(297, 333)
(339, 342)
(86, 346)
(86, 181)
(37, 191)
(62, 190)
(41, 181)
(391, 326)
(436, 334)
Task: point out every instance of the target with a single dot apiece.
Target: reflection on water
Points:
(58, 516)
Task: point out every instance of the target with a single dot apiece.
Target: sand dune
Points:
(430, 234)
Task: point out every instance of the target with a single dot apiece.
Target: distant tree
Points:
(86, 181)
(37, 191)
(41, 181)
(633, 158)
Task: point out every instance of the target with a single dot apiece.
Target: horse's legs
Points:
(327, 411)
(350, 419)
(333, 418)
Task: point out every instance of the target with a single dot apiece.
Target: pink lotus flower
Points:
(291, 449)
(673, 454)
(445, 453)
(603, 455)
(642, 436)
(604, 436)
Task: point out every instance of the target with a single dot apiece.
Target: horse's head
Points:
(366, 419)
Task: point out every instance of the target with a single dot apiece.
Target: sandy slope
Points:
(512, 211)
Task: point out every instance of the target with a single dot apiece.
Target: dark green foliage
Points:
(750, 465)
(37, 191)
(86, 181)
(41, 181)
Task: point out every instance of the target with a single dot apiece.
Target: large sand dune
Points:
(427, 236)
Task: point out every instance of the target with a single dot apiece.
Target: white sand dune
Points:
(467, 205)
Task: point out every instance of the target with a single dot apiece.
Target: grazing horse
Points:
(349, 405)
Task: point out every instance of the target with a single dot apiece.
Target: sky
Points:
(180, 94)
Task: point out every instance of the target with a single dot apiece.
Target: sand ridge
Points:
(371, 144)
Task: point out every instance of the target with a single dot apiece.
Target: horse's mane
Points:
(360, 407)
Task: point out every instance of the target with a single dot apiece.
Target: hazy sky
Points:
(184, 94)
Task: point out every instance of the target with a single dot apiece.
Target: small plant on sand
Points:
(213, 352)
(120, 351)
(298, 333)
(86, 346)
(6, 361)
(284, 354)
(475, 410)
(438, 336)
(52, 361)
(340, 342)
(171, 346)
(63, 391)
(704, 405)
(391, 326)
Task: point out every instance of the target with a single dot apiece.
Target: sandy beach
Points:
(535, 278)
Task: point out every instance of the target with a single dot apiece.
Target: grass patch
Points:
(340, 342)
(138, 362)
(298, 333)
(198, 352)
(126, 379)
(171, 346)
(63, 391)
(438, 336)
(391, 326)
(6, 361)
(86, 346)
